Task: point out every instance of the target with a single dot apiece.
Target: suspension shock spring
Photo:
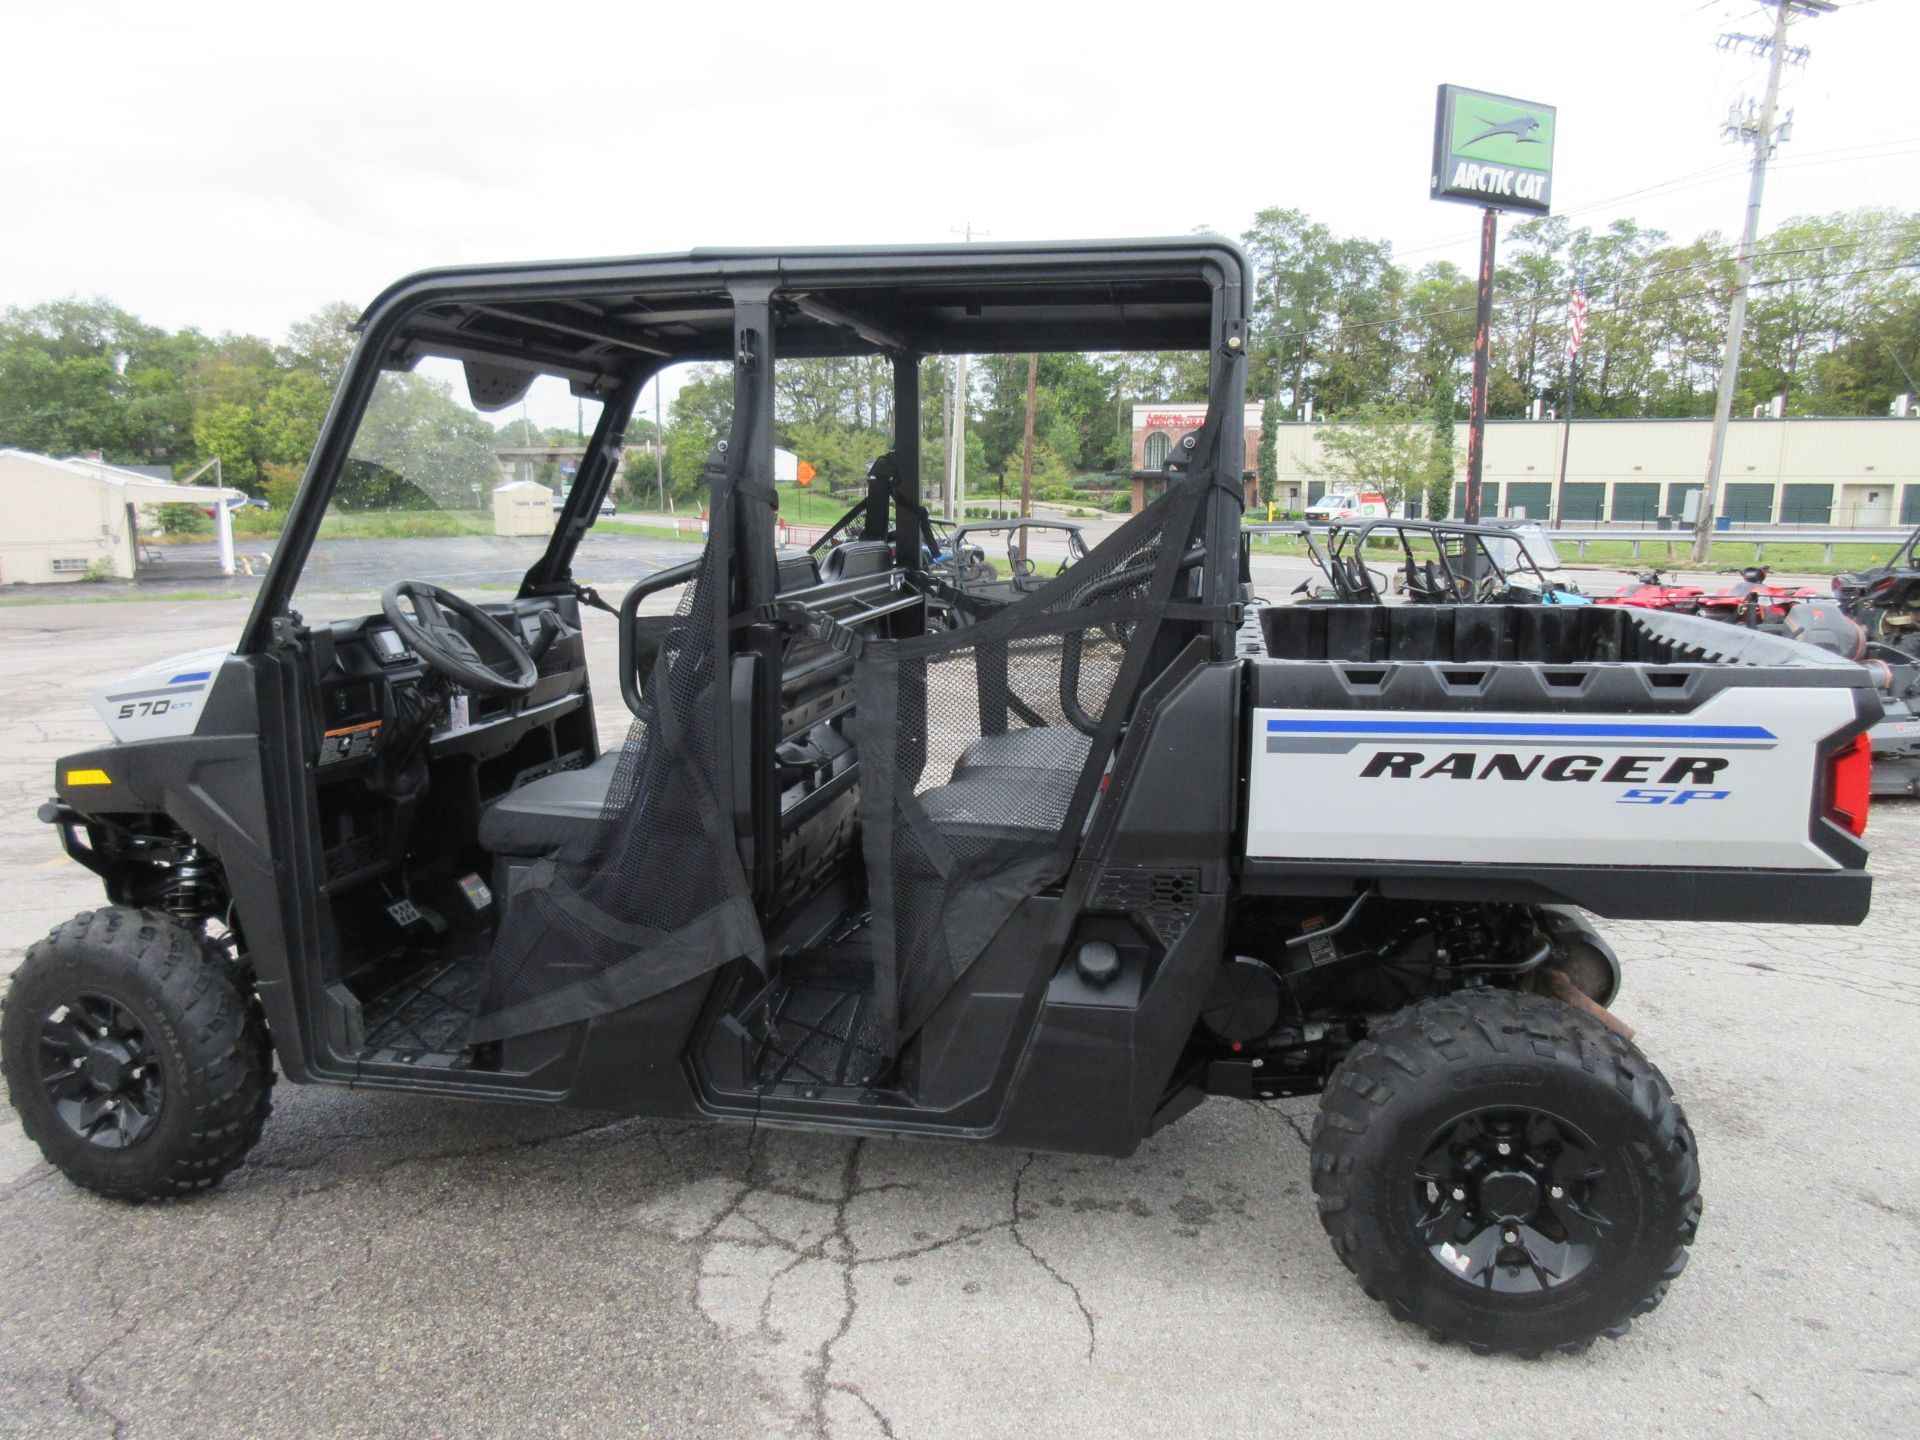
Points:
(1461, 937)
(192, 890)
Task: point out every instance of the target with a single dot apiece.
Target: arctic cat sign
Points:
(1492, 150)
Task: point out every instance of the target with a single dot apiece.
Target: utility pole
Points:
(946, 450)
(1026, 453)
(1759, 133)
(659, 447)
(957, 460)
(957, 470)
(1576, 333)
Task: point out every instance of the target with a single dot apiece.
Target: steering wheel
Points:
(446, 651)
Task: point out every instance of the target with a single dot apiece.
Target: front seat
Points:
(555, 810)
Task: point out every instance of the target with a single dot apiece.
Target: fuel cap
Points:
(1098, 963)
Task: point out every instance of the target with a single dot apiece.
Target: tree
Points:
(81, 375)
(289, 418)
(1383, 447)
(1292, 296)
(1437, 332)
(1439, 492)
(839, 454)
(1269, 451)
(322, 342)
(226, 431)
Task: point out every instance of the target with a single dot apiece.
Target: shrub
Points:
(183, 520)
(253, 523)
(282, 483)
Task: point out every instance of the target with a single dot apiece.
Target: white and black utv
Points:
(1048, 879)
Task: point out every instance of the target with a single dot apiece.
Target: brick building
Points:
(1156, 429)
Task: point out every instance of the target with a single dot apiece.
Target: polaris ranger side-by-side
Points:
(1047, 879)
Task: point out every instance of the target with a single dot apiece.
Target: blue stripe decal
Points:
(191, 675)
(1550, 728)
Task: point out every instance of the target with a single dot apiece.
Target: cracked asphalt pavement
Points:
(387, 1265)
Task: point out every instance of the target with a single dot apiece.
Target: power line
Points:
(1694, 179)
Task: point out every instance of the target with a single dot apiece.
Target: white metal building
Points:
(68, 519)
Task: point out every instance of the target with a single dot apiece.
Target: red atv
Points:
(1652, 590)
(1748, 601)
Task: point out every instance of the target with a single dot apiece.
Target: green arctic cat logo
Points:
(1490, 150)
(1521, 128)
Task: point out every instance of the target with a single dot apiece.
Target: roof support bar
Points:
(818, 309)
(580, 332)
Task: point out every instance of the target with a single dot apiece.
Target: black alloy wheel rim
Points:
(98, 1069)
(1512, 1200)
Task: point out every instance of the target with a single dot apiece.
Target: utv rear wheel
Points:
(134, 1061)
(1505, 1171)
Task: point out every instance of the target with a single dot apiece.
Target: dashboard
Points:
(369, 683)
(403, 762)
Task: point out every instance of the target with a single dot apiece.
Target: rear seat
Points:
(795, 572)
(1045, 747)
(1016, 786)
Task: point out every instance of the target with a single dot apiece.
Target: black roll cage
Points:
(608, 326)
(1338, 549)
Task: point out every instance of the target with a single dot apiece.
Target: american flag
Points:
(1577, 317)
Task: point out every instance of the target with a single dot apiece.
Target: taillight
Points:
(1849, 784)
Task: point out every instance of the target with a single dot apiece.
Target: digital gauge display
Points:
(389, 646)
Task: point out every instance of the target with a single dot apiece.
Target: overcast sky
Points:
(235, 167)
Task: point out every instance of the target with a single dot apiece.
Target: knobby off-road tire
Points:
(1506, 1172)
(171, 1067)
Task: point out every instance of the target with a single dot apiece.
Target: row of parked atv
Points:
(1869, 616)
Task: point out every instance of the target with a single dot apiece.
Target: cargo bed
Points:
(1629, 761)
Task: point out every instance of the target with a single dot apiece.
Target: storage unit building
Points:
(1855, 471)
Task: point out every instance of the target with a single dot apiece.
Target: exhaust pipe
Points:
(1555, 983)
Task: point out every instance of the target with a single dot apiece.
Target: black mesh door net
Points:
(982, 749)
(654, 894)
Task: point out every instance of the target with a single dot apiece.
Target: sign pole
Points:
(1482, 324)
(1495, 152)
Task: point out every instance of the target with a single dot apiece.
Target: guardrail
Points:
(1825, 536)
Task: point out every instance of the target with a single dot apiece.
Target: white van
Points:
(1349, 505)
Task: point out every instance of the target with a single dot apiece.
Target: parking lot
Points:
(393, 1265)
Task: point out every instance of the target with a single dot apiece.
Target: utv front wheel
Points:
(134, 1062)
(1504, 1171)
